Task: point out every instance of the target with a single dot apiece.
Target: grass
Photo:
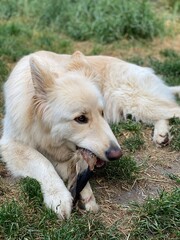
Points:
(13, 34)
(175, 131)
(4, 70)
(169, 68)
(131, 131)
(158, 218)
(32, 189)
(169, 53)
(104, 20)
(12, 221)
(128, 125)
(174, 177)
(136, 60)
(174, 5)
(125, 168)
(133, 143)
(108, 21)
(24, 220)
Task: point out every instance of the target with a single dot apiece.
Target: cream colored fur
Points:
(40, 135)
(46, 91)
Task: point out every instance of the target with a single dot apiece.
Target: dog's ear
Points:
(78, 55)
(42, 77)
(79, 63)
(43, 81)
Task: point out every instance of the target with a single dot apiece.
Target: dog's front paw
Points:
(60, 202)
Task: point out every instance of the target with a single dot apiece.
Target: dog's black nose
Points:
(113, 153)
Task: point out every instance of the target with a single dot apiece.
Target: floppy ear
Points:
(42, 80)
(79, 63)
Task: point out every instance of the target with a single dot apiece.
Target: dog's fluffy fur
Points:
(47, 92)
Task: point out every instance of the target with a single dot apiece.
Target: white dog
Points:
(54, 109)
(53, 122)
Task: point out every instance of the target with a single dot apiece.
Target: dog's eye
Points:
(81, 119)
(102, 113)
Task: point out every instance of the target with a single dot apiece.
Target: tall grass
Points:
(108, 20)
(103, 20)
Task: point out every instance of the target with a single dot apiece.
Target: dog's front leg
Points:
(25, 161)
(88, 199)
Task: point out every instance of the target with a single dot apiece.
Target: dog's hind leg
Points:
(25, 161)
(161, 134)
(147, 109)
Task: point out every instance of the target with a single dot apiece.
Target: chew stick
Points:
(81, 182)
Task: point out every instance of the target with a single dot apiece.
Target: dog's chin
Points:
(92, 160)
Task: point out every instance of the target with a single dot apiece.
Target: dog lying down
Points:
(57, 110)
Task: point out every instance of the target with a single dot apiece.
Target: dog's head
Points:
(71, 106)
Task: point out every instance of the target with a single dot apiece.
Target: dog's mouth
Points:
(91, 159)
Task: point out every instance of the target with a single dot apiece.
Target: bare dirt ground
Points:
(115, 197)
(126, 49)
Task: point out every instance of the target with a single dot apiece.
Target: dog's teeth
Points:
(89, 157)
